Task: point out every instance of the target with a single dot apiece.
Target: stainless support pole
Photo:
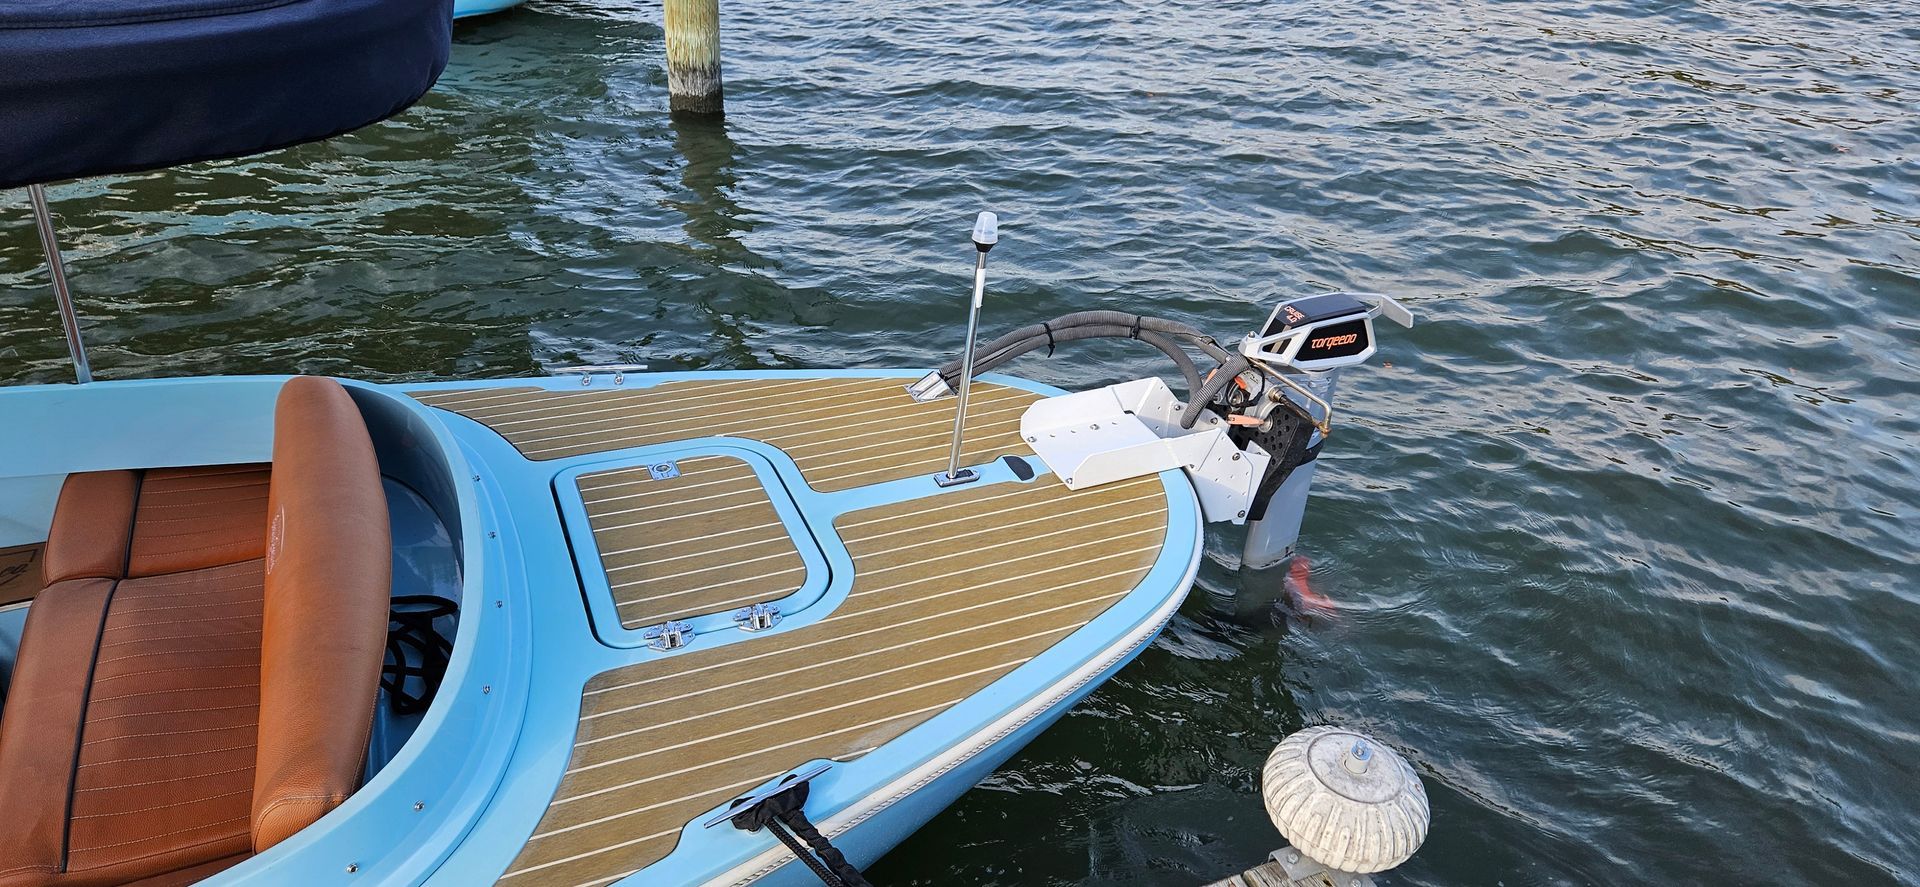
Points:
(954, 475)
(69, 320)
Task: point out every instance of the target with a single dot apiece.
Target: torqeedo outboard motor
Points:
(1249, 432)
(1303, 347)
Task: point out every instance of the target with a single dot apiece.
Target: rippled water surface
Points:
(1622, 534)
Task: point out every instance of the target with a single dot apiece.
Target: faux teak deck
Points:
(950, 592)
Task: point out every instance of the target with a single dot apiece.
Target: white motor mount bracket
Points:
(1133, 429)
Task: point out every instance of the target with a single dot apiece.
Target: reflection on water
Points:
(1620, 546)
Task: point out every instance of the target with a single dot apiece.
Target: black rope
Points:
(412, 638)
(820, 869)
(1049, 328)
(796, 819)
(830, 865)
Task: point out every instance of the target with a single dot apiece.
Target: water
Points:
(1622, 541)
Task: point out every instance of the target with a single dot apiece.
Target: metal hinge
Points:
(668, 635)
(758, 617)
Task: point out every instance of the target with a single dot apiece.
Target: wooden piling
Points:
(693, 57)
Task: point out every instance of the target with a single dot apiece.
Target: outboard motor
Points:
(1249, 432)
(1303, 346)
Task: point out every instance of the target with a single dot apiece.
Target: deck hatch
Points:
(694, 533)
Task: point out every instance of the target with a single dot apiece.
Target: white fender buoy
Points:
(1344, 800)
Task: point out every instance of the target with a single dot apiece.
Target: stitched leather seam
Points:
(181, 637)
(180, 668)
(239, 524)
(167, 622)
(204, 503)
(167, 835)
(185, 754)
(174, 711)
(197, 776)
(86, 710)
(179, 690)
(246, 514)
(168, 607)
(196, 548)
(183, 651)
(169, 489)
(176, 652)
(246, 726)
(227, 573)
(180, 607)
(129, 860)
(142, 594)
(245, 791)
(86, 697)
(201, 471)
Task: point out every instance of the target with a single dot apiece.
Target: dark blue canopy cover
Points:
(102, 86)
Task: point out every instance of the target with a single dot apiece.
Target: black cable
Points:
(1204, 394)
(796, 819)
(991, 356)
(1167, 335)
(412, 638)
(820, 870)
(1050, 332)
(789, 806)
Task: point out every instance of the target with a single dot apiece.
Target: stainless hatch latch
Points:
(586, 373)
(668, 635)
(758, 617)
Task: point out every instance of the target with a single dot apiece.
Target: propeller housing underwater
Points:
(1249, 432)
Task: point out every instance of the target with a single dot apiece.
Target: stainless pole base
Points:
(963, 476)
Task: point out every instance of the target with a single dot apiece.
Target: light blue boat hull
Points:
(461, 797)
(469, 8)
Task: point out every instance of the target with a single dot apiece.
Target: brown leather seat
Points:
(197, 680)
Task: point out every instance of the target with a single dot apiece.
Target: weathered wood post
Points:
(693, 57)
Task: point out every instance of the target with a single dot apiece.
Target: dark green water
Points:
(1623, 541)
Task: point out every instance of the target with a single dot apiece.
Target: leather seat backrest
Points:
(328, 581)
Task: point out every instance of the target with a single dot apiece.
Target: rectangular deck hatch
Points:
(687, 535)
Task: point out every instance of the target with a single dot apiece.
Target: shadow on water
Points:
(714, 226)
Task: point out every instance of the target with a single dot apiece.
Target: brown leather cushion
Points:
(329, 562)
(40, 730)
(177, 704)
(193, 518)
(115, 524)
(165, 770)
(92, 527)
(127, 745)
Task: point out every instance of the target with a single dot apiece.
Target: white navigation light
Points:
(986, 231)
(1344, 800)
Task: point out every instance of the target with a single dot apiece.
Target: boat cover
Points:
(105, 86)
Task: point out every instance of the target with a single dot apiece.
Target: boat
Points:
(470, 8)
(600, 626)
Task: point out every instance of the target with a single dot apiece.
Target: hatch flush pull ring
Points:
(786, 807)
